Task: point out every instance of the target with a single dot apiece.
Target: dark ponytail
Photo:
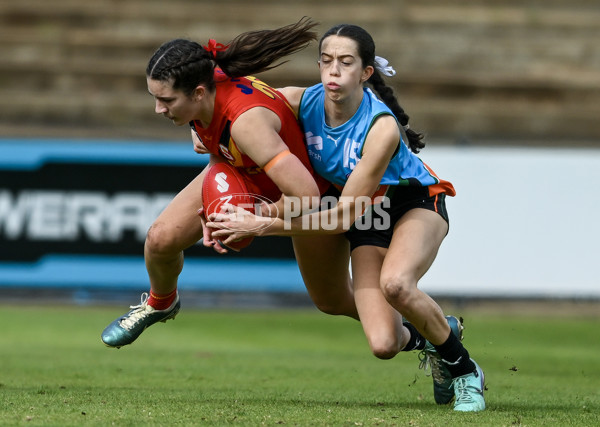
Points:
(256, 51)
(366, 51)
(386, 93)
(188, 64)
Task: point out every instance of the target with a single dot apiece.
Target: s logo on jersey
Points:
(225, 152)
(313, 141)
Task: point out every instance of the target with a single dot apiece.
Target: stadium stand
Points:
(473, 71)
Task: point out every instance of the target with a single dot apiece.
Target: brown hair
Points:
(366, 51)
(188, 64)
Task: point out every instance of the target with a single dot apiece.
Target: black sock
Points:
(416, 341)
(455, 356)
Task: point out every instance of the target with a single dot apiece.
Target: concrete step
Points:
(468, 68)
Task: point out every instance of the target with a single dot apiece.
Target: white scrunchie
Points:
(383, 66)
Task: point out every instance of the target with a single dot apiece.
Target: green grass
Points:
(291, 368)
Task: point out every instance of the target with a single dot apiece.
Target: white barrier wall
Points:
(524, 222)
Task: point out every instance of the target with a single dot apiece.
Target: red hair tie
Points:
(214, 47)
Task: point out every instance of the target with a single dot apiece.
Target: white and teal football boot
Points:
(469, 391)
(127, 328)
(443, 391)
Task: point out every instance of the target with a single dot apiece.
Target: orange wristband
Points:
(275, 159)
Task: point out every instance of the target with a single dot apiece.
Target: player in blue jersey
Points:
(362, 144)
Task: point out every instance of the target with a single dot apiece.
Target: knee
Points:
(398, 290)
(383, 347)
(160, 241)
(329, 307)
(334, 297)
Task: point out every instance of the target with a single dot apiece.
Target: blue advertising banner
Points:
(75, 214)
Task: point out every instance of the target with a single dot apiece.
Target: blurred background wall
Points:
(479, 70)
(507, 92)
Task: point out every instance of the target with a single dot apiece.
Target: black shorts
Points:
(376, 226)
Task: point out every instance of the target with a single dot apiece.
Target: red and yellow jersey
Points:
(235, 96)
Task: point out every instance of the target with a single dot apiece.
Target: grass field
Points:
(297, 368)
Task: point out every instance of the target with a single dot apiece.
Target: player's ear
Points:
(367, 73)
(199, 92)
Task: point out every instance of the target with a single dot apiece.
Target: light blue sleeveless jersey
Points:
(334, 152)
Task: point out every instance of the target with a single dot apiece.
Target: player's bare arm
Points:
(380, 146)
(293, 95)
(256, 134)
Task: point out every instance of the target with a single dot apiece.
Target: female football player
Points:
(363, 145)
(236, 119)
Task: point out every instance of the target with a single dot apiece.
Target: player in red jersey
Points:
(236, 119)
(234, 97)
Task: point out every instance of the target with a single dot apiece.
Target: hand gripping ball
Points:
(224, 184)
